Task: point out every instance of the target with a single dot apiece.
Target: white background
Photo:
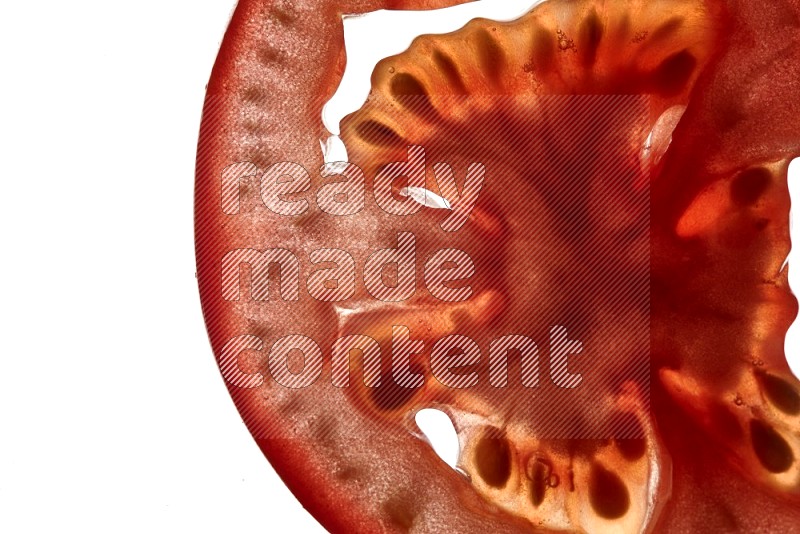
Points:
(114, 416)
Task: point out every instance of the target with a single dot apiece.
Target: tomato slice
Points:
(565, 231)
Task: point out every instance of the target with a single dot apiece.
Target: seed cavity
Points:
(607, 493)
(411, 94)
(448, 68)
(772, 450)
(750, 185)
(390, 395)
(632, 449)
(543, 49)
(780, 393)
(538, 472)
(493, 458)
(633, 446)
(405, 84)
(491, 56)
(666, 30)
(671, 76)
(378, 134)
(590, 36)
